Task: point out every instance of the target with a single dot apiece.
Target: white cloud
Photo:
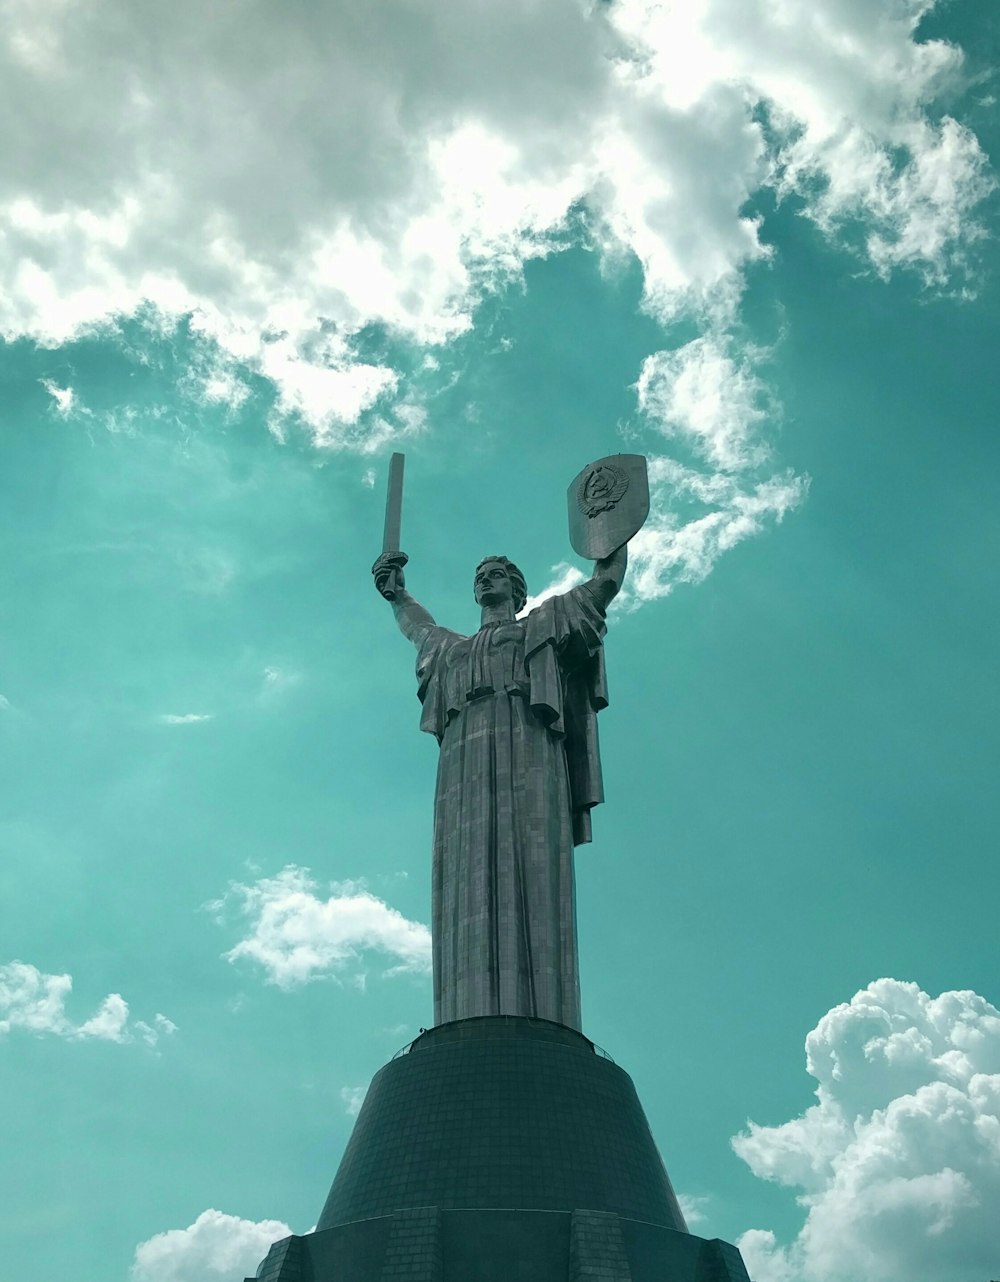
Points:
(708, 397)
(695, 517)
(564, 577)
(217, 381)
(64, 397)
(696, 514)
(298, 937)
(289, 183)
(151, 1033)
(215, 1248)
(898, 1163)
(277, 680)
(353, 1097)
(692, 1208)
(184, 718)
(36, 1003)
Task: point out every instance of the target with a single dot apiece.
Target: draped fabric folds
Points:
(514, 709)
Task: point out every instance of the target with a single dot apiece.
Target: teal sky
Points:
(200, 691)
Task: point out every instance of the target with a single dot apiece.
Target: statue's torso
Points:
(491, 662)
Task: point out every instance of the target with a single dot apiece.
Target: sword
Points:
(393, 519)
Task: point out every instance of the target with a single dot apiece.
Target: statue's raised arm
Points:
(413, 620)
(609, 574)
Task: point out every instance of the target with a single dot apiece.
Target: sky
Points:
(246, 252)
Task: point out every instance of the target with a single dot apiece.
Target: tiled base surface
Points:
(500, 1111)
(431, 1245)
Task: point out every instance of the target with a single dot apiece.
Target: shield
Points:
(608, 503)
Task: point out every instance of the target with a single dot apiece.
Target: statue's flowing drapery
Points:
(514, 709)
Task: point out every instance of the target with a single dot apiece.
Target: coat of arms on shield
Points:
(608, 503)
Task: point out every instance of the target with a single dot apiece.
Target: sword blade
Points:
(393, 505)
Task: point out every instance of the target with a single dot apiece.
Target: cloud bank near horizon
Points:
(898, 1163)
(215, 1248)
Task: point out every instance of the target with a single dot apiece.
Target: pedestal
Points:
(501, 1149)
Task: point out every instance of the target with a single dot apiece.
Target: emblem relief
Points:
(603, 487)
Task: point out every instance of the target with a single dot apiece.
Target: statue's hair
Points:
(520, 588)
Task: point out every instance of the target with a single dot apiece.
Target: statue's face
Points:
(493, 585)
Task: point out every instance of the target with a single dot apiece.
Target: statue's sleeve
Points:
(564, 657)
(432, 680)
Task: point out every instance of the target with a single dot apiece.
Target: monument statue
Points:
(514, 710)
(499, 1143)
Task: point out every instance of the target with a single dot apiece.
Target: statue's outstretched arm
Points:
(412, 619)
(609, 574)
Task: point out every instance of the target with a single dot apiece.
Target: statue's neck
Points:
(492, 614)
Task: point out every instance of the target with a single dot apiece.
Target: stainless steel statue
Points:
(514, 709)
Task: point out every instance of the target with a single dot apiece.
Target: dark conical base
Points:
(497, 1149)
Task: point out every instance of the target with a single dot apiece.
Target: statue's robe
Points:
(514, 709)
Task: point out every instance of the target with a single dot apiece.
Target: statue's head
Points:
(497, 580)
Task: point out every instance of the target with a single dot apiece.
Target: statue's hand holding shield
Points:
(608, 504)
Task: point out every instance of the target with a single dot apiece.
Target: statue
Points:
(514, 710)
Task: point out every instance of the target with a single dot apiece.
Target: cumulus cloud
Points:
(294, 180)
(708, 397)
(36, 1002)
(898, 1163)
(215, 1247)
(296, 936)
(296, 186)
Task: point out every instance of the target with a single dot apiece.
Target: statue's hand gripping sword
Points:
(388, 566)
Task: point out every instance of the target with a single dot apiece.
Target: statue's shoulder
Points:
(436, 640)
(560, 603)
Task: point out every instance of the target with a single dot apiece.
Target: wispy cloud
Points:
(564, 577)
(184, 718)
(296, 936)
(215, 1248)
(35, 1002)
(692, 1208)
(353, 1097)
(710, 401)
(695, 517)
(277, 680)
(64, 397)
(898, 1162)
